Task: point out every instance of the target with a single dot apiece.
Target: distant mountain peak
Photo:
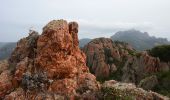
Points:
(139, 40)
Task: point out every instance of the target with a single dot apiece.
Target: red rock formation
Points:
(103, 53)
(5, 83)
(25, 48)
(151, 64)
(105, 58)
(58, 52)
(137, 67)
(3, 65)
(50, 66)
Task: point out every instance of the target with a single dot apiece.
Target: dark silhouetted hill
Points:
(139, 40)
(83, 42)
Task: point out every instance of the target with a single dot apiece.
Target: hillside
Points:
(139, 40)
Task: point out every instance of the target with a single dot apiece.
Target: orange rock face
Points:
(57, 50)
(5, 83)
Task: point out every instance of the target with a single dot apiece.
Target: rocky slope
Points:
(51, 66)
(119, 61)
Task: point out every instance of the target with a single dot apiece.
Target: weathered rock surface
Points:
(25, 48)
(3, 65)
(49, 66)
(5, 83)
(138, 67)
(105, 58)
(103, 55)
(58, 52)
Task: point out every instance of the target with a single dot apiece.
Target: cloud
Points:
(107, 27)
(96, 17)
(95, 29)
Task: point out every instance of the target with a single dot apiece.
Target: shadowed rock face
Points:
(49, 67)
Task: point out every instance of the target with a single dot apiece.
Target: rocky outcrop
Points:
(25, 48)
(103, 55)
(119, 61)
(139, 66)
(49, 66)
(106, 58)
(3, 65)
(5, 83)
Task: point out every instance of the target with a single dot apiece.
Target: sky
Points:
(96, 18)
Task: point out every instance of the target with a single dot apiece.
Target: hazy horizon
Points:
(96, 18)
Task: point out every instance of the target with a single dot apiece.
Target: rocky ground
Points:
(51, 66)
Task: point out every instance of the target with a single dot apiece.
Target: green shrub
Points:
(163, 52)
(164, 83)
